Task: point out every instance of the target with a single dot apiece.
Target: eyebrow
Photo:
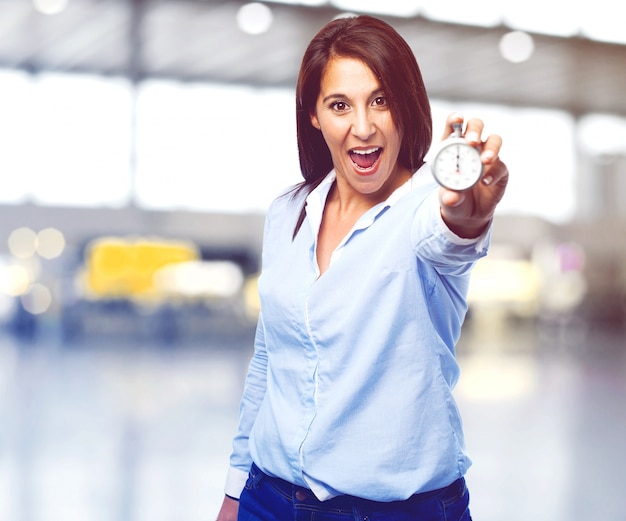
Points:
(373, 94)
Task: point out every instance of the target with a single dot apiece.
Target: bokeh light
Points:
(37, 299)
(254, 18)
(50, 6)
(14, 280)
(50, 243)
(22, 243)
(517, 46)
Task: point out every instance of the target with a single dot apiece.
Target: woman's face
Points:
(353, 115)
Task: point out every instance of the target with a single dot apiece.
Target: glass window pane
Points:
(80, 141)
(16, 140)
(214, 147)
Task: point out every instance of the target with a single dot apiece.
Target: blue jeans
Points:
(265, 498)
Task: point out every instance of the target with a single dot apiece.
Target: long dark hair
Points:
(392, 61)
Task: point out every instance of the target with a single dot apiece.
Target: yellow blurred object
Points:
(251, 297)
(513, 283)
(125, 267)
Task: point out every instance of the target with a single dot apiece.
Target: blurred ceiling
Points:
(199, 40)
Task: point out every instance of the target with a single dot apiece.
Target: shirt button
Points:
(301, 495)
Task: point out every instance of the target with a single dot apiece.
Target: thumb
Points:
(451, 198)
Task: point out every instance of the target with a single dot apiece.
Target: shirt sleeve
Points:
(254, 391)
(436, 244)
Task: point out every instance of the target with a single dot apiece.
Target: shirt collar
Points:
(316, 200)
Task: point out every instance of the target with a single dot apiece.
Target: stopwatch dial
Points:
(458, 166)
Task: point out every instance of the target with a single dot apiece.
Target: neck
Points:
(349, 200)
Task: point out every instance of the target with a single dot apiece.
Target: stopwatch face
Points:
(457, 165)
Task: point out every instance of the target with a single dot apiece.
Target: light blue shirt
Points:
(349, 390)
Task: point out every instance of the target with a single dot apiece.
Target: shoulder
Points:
(283, 212)
(289, 200)
(423, 183)
(419, 194)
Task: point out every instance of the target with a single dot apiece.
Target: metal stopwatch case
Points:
(457, 164)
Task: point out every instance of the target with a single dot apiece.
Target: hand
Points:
(469, 213)
(229, 510)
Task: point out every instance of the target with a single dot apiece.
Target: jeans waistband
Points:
(291, 491)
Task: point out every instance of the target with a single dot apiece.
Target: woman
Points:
(347, 411)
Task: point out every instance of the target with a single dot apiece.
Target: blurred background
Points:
(141, 142)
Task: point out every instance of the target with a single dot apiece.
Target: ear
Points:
(314, 121)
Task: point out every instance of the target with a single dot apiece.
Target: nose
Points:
(362, 125)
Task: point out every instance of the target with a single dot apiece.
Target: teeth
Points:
(365, 152)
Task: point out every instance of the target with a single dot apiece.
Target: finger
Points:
(491, 149)
(451, 198)
(495, 173)
(474, 130)
(454, 117)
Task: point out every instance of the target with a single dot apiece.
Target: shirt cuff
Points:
(235, 482)
(480, 242)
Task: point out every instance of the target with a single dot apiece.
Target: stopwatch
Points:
(457, 164)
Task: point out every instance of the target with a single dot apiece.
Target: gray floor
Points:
(121, 431)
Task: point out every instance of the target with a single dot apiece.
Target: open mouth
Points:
(365, 159)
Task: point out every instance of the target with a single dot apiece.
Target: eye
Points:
(380, 101)
(339, 106)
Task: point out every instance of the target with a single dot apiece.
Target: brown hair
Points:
(392, 61)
